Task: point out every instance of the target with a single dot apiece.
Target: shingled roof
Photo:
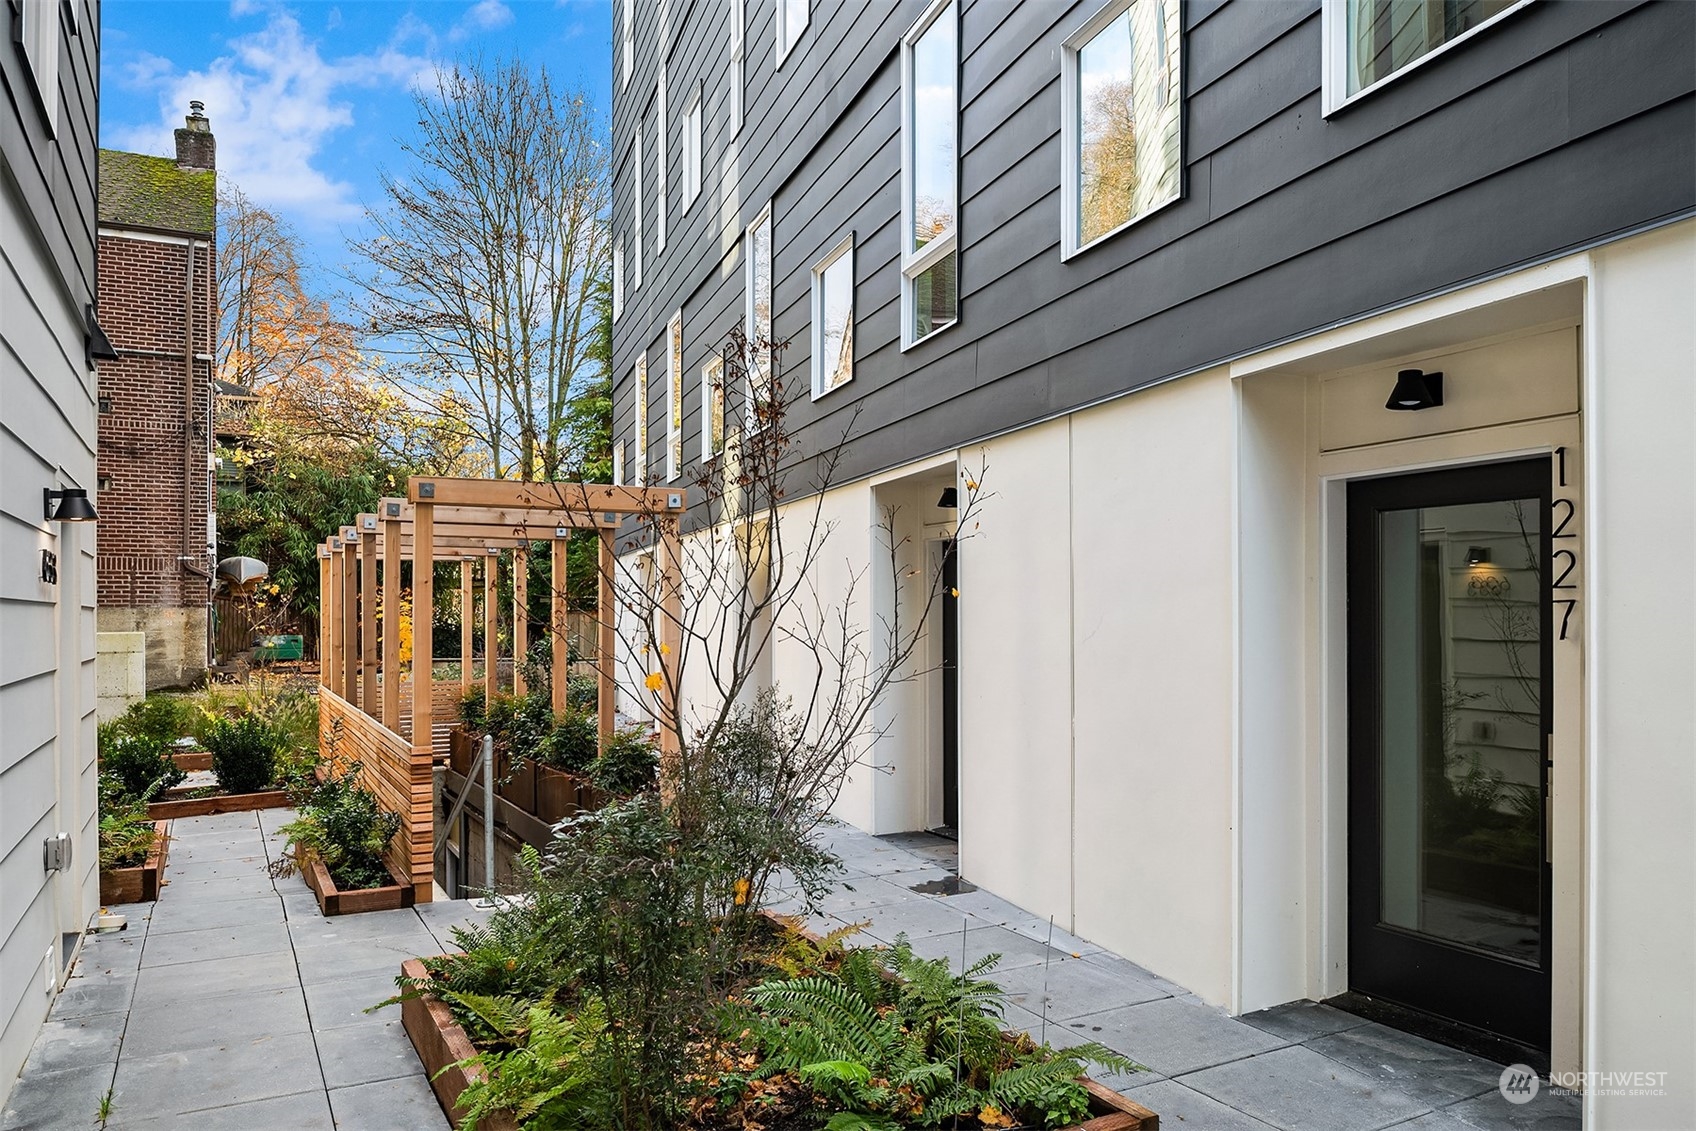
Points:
(138, 191)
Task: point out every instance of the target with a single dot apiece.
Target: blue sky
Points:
(307, 99)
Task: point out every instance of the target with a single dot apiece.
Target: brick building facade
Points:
(159, 306)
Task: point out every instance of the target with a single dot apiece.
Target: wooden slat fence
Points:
(388, 768)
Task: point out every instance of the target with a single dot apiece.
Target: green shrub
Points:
(549, 1078)
(162, 718)
(627, 764)
(890, 1035)
(342, 824)
(474, 710)
(138, 765)
(571, 746)
(582, 693)
(244, 752)
(126, 833)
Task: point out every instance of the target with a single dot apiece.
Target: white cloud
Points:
(275, 104)
(485, 15)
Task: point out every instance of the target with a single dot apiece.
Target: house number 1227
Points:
(1562, 561)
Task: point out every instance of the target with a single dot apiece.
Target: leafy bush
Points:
(161, 718)
(244, 752)
(139, 766)
(474, 709)
(891, 1036)
(627, 763)
(342, 824)
(548, 1078)
(126, 833)
(582, 693)
(571, 746)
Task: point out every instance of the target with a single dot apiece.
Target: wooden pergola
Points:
(469, 521)
(472, 520)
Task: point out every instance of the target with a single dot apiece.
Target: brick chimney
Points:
(196, 147)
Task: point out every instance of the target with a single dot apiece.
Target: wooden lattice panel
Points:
(388, 768)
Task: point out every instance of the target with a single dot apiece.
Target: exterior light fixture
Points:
(72, 505)
(1415, 389)
(1477, 555)
(950, 499)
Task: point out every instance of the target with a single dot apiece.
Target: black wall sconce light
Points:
(1477, 555)
(950, 499)
(68, 505)
(1415, 389)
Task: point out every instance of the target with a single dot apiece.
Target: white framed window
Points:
(792, 19)
(618, 279)
(626, 41)
(662, 141)
(40, 40)
(930, 174)
(738, 68)
(833, 319)
(640, 470)
(674, 397)
(756, 322)
(692, 156)
(1121, 83)
(712, 409)
(618, 464)
(1371, 42)
(636, 258)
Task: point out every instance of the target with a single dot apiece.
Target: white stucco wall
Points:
(47, 664)
(1641, 435)
(1153, 654)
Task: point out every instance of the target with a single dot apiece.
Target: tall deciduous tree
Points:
(482, 274)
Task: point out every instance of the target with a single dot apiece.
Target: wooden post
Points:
(368, 618)
(323, 615)
(606, 643)
(349, 688)
(467, 625)
(423, 606)
(671, 629)
(556, 626)
(520, 615)
(330, 612)
(491, 624)
(391, 624)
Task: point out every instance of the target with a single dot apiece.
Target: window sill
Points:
(1067, 255)
(1333, 80)
(946, 326)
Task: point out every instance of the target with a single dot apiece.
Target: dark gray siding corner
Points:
(1562, 125)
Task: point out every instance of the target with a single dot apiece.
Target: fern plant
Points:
(547, 1078)
(889, 1036)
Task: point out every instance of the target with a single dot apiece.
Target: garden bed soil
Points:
(192, 761)
(173, 807)
(141, 883)
(333, 901)
(441, 1043)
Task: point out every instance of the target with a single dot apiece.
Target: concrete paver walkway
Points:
(233, 1003)
(1300, 1067)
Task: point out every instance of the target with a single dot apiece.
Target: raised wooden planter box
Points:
(516, 784)
(170, 809)
(192, 761)
(333, 901)
(141, 883)
(462, 748)
(559, 795)
(442, 1042)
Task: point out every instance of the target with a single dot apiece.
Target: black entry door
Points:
(950, 687)
(1449, 709)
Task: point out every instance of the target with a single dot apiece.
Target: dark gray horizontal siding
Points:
(1564, 123)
